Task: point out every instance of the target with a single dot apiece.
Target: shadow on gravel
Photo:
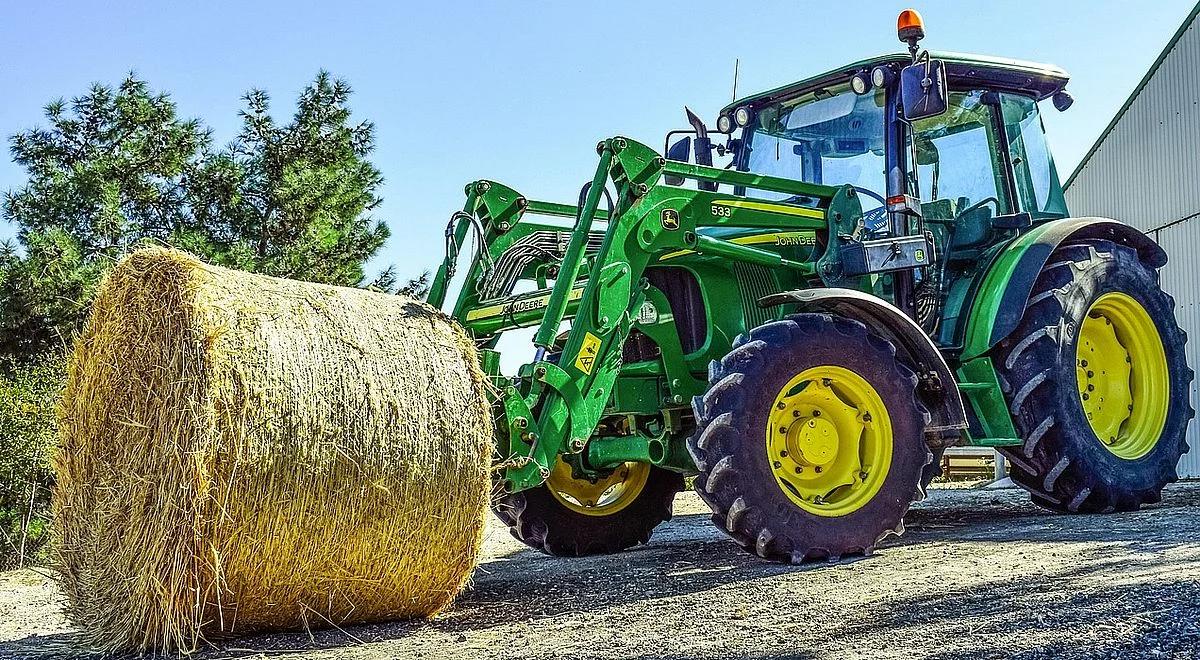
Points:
(1001, 519)
(690, 556)
(1111, 615)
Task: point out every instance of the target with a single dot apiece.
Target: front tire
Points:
(1096, 380)
(568, 517)
(810, 440)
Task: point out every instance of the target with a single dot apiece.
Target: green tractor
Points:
(886, 267)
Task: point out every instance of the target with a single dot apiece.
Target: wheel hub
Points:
(813, 440)
(829, 440)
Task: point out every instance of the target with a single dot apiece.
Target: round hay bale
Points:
(241, 452)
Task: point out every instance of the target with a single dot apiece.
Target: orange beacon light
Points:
(910, 27)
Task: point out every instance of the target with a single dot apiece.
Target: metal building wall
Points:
(1146, 172)
(1181, 279)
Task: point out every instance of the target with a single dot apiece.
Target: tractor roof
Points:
(1040, 80)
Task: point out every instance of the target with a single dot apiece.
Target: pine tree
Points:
(295, 200)
(117, 167)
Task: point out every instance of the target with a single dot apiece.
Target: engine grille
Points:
(754, 282)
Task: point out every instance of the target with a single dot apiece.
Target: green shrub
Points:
(29, 394)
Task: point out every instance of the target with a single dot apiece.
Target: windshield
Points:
(830, 136)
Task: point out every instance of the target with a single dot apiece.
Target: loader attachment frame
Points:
(556, 401)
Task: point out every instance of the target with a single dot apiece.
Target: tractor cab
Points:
(946, 151)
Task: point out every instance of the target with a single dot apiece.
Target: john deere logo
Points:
(670, 219)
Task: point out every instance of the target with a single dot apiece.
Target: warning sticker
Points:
(586, 360)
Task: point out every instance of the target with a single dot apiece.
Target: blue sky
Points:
(521, 92)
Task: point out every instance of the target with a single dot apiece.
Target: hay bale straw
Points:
(240, 452)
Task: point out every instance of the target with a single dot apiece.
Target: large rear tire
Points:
(569, 517)
(810, 440)
(1097, 383)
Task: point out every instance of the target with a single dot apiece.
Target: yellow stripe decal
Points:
(518, 305)
(772, 208)
(787, 238)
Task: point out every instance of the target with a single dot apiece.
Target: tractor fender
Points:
(937, 385)
(1005, 290)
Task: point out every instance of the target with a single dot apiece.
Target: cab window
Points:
(960, 170)
(1033, 168)
(829, 136)
(958, 163)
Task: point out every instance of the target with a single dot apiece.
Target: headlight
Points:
(881, 76)
(860, 84)
(742, 115)
(724, 123)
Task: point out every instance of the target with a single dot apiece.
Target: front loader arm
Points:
(575, 391)
(557, 401)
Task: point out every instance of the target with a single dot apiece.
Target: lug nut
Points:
(799, 469)
(783, 454)
(795, 413)
(819, 469)
(816, 413)
(781, 405)
(783, 430)
(778, 465)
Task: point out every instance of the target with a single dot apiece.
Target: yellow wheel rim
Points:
(604, 497)
(829, 441)
(1121, 371)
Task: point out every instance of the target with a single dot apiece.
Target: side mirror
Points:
(1063, 100)
(680, 151)
(923, 89)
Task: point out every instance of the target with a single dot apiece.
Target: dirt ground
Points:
(979, 574)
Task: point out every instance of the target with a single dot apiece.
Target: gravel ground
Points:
(979, 574)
